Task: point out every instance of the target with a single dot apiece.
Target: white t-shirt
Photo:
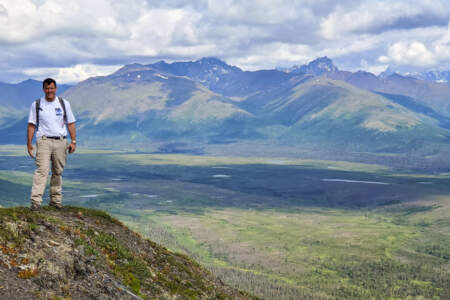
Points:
(51, 117)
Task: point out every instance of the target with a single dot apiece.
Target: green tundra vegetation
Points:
(279, 228)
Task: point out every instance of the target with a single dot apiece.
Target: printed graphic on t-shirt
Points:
(58, 111)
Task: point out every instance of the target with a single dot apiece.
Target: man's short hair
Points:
(48, 81)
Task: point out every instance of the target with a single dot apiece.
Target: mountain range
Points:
(16, 98)
(435, 75)
(207, 102)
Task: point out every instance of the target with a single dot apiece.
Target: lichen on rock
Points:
(79, 253)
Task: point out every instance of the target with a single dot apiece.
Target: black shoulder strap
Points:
(38, 108)
(63, 105)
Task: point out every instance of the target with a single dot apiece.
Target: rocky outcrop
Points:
(76, 253)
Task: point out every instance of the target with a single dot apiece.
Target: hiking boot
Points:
(55, 205)
(35, 207)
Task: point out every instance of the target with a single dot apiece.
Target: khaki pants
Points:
(54, 152)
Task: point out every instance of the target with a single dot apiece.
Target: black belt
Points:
(56, 137)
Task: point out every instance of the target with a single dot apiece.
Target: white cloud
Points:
(254, 34)
(17, 21)
(355, 44)
(255, 11)
(409, 53)
(441, 47)
(158, 32)
(263, 56)
(373, 16)
(72, 74)
(376, 69)
(424, 49)
(24, 21)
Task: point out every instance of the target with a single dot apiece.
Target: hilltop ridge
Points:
(79, 253)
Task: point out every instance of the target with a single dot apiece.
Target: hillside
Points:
(140, 101)
(433, 94)
(80, 253)
(321, 111)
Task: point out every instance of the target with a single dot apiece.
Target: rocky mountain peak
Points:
(434, 75)
(317, 67)
(200, 69)
(211, 61)
(131, 68)
(386, 73)
(215, 65)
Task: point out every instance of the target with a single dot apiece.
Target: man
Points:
(51, 117)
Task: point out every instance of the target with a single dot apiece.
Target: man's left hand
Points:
(71, 148)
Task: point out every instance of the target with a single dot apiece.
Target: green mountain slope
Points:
(327, 112)
(138, 100)
(432, 94)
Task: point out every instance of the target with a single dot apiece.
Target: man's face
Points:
(50, 91)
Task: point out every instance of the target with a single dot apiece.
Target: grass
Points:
(314, 249)
(299, 249)
(335, 252)
(274, 227)
(196, 160)
(13, 150)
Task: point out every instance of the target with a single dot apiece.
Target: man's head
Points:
(49, 88)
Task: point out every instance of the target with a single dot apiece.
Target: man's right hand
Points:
(30, 132)
(30, 150)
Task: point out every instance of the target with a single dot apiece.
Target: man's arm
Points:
(73, 137)
(30, 133)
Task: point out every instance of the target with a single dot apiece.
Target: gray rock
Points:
(102, 297)
(80, 250)
(91, 269)
(79, 267)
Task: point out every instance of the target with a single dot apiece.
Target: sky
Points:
(72, 40)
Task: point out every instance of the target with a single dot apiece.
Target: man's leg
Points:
(43, 153)
(58, 157)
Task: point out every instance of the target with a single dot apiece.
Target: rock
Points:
(110, 290)
(47, 280)
(39, 229)
(33, 237)
(80, 267)
(102, 297)
(12, 228)
(91, 269)
(80, 250)
(53, 243)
